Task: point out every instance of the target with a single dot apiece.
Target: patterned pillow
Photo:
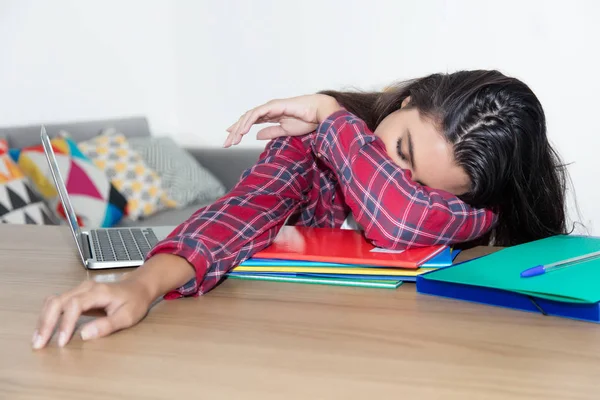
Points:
(97, 203)
(140, 184)
(185, 180)
(19, 204)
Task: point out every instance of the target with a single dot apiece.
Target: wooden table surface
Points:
(262, 340)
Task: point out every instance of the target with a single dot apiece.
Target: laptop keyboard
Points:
(122, 244)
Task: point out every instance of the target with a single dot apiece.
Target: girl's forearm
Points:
(161, 274)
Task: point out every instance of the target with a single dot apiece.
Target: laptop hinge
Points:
(87, 249)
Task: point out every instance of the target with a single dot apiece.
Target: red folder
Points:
(342, 246)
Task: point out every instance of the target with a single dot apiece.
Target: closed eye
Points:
(399, 150)
(403, 157)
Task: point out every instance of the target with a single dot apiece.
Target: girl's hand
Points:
(295, 116)
(125, 304)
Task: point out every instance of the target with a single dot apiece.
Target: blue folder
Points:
(589, 312)
(495, 279)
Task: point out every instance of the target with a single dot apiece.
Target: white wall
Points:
(233, 55)
(68, 59)
(193, 66)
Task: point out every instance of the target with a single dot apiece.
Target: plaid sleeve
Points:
(219, 236)
(394, 211)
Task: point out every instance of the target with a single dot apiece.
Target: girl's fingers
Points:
(124, 317)
(229, 138)
(227, 141)
(267, 119)
(231, 130)
(235, 128)
(271, 110)
(271, 132)
(47, 321)
(51, 312)
(243, 128)
(268, 112)
(77, 305)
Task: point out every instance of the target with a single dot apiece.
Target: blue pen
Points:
(542, 269)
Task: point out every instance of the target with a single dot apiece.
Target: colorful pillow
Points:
(185, 180)
(140, 184)
(97, 203)
(19, 204)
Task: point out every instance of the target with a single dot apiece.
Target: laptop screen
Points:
(62, 193)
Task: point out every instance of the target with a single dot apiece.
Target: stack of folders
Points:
(558, 276)
(332, 256)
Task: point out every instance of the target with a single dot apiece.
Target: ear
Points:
(405, 102)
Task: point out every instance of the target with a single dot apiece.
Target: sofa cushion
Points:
(128, 172)
(97, 203)
(19, 203)
(185, 179)
(227, 165)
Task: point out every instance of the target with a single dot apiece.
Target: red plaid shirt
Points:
(318, 180)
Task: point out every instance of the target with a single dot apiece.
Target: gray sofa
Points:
(226, 164)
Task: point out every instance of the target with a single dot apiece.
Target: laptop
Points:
(103, 248)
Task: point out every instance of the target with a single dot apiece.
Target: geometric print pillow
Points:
(184, 178)
(97, 203)
(19, 204)
(140, 184)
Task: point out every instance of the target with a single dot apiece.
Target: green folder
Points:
(380, 284)
(579, 283)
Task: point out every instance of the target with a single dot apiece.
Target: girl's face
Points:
(415, 144)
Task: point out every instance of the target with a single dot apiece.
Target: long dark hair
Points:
(498, 130)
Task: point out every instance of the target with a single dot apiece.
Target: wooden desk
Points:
(284, 341)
